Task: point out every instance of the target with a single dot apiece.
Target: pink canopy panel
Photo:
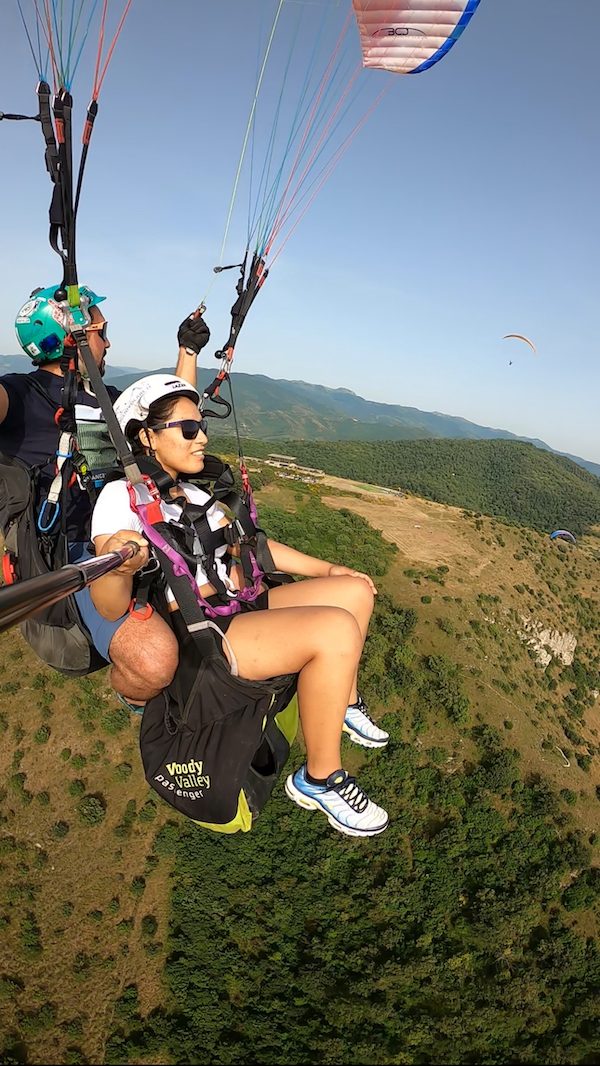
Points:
(408, 36)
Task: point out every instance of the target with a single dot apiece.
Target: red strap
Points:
(153, 513)
(138, 615)
(8, 570)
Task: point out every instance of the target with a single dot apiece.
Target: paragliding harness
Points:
(213, 744)
(35, 544)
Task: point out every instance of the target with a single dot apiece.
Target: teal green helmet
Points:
(42, 324)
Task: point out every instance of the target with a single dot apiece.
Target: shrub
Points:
(77, 787)
(95, 916)
(43, 799)
(123, 771)
(37, 1021)
(425, 599)
(127, 1005)
(152, 948)
(78, 761)
(67, 908)
(10, 687)
(74, 1057)
(138, 886)
(59, 830)
(149, 925)
(9, 988)
(508, 724)
(437, 755)
(147, 812)
(115, 720)
(91, 810)
(168, 837)
(30, 937)
(569, 796)
(65, 754)
(113, 906)
(74, 1028)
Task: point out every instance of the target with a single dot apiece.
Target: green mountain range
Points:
(277, 410)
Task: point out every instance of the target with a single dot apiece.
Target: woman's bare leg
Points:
(350, 593)
(323, 645)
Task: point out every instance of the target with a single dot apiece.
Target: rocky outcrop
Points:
(548, 644)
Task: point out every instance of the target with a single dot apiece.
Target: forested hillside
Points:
(467, 933)
(453, 938)
(507, 479)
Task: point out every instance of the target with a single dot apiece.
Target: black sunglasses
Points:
(190, 427)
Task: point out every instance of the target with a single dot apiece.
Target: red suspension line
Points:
(285, 209)
(100, 47)
(98, 80)
(338, 155)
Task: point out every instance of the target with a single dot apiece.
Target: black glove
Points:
(193, 333)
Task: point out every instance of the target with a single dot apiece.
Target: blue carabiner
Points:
(46, 529)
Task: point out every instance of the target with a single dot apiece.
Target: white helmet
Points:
(134, 403)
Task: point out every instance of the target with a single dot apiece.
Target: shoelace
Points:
(362, 707)
(352, 794)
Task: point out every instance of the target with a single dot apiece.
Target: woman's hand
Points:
(345, 571)
(121, 538)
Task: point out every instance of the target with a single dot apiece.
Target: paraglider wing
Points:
(409, 36)
(520, 337)
(564, 534)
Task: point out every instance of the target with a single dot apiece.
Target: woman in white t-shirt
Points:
(315, 628)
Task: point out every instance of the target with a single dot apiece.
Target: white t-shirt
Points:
(113, 512)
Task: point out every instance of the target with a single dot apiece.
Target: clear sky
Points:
(466, 208)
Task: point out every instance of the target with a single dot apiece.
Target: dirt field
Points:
(428, 533)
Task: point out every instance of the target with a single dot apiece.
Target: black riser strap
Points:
(118, 438)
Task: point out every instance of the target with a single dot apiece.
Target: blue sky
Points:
(466, 208)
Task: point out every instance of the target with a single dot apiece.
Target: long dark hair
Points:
(158, 412)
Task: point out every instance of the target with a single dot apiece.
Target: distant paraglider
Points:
(563, 534)
(520, 337)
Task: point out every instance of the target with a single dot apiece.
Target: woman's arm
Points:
(293, 562)
(111, 594)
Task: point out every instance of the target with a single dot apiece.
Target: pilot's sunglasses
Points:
(190, 427)
(100, 328)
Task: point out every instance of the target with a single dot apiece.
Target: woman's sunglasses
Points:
(190, 427)
(100, 328)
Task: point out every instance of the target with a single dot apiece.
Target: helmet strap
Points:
(151, 452)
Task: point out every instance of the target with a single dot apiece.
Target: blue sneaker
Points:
(361, 728)
(346, 807)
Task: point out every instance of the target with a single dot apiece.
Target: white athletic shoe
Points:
(361, 728)
(346, 807)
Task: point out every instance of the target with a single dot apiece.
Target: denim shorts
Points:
(101, 631)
